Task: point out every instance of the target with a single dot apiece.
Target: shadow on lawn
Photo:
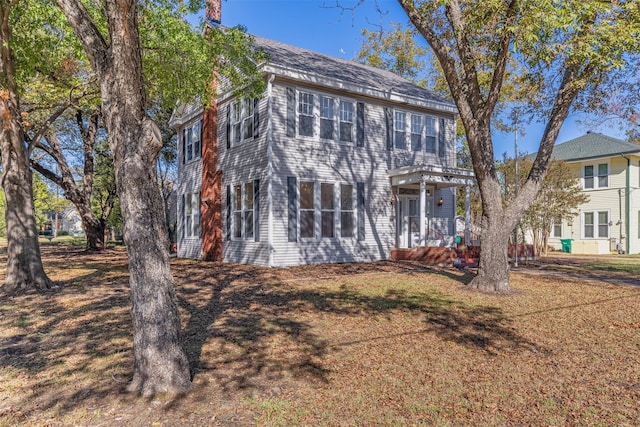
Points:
(245, 326)
(245, 310)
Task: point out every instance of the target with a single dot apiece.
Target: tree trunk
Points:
(24, 263)
(493, 268)
(94, 231)
(160, 362)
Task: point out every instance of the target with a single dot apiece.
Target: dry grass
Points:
(353, 344)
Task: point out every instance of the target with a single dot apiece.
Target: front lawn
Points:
(352, 344)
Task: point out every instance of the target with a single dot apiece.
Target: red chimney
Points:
(213, 12)
(211, 191)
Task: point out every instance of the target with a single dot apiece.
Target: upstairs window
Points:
(414, 132)
(192, 142)
(346, 121)
(305, 114)
(242, 120)
(591, 180)
(326, 117)
(400, 133)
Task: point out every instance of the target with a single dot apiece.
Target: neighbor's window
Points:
(595, 224)
(603, 175)
(431, 134)
(556, 228)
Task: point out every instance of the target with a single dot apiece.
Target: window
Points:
(192, 142)
(346, 210)
(595, 225)
(237, 211)
(326, 117)
(242, 120)
(431, 135)
(602, 176)
(588, 176)
(248, 210)
(346, 121)
(399, 127)
(314, 213)
(556, 227)
(191, 211)
(307, 210)
(423, 132)
(243, 207)
(416, 132)
(327, 210)
(305, 114)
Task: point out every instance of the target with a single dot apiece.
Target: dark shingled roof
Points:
(591, 146)
(306, 61)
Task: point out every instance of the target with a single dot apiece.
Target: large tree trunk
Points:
(160, 362)
(493, 268)
(24, 263)
(94, 232)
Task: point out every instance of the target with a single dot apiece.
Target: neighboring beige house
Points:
(609, 173)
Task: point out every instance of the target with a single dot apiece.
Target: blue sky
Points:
(319, 26)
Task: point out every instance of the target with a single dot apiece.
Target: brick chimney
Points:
(213, 12)
(211, 191)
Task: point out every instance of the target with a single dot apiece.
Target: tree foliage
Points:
(552, 55)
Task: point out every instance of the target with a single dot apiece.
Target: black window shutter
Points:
(441, 135)
(228, 225)
(360, 125)
(183, 219)
(256, 118)
(256, 210)
(361, 207)
(389, 122)
(291, 111)
(228, 126)
(184, 145)
(292, 188)
(201, 134)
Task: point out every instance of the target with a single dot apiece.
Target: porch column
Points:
(467, 215)
(423, 206)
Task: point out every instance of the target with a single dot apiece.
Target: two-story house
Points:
(334, 162)
(609, 173)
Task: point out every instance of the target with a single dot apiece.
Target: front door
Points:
(409, 227)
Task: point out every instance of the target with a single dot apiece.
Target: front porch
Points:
(424, 205)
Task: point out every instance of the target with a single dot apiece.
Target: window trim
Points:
(596, 177)
(319, 111)
(596, 224)
(427, 132)
(243, 210)
(242, 111)
(191, 215)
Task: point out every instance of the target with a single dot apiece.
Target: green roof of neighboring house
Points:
(592, 146)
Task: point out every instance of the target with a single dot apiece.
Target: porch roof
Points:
(431, 174)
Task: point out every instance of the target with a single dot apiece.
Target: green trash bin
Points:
(566, 245)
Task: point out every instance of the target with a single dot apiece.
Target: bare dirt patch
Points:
(350, 344)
